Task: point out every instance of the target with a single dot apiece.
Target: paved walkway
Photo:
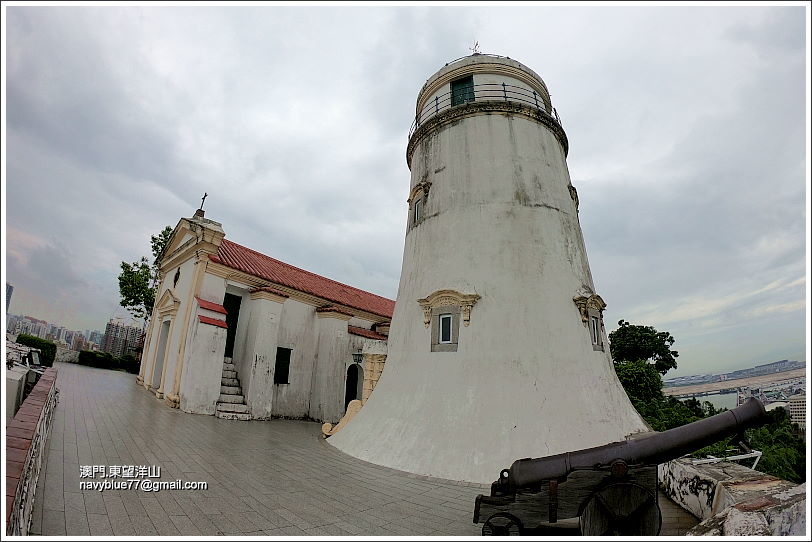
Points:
(264, 478)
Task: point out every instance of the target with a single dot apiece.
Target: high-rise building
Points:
(797, 410)
(119, 339)
(96, 337)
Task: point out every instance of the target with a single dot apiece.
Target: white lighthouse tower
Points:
(497, 349)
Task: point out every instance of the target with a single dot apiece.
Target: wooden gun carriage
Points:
(612, 489)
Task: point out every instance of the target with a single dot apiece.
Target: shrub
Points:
(105, 360)
(130, 364)
(47, 348)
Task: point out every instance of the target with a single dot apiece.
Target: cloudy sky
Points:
(687, 129)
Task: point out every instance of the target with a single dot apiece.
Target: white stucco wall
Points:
(298, 331)
(203, 368)
(182, 291)
(525, 380)
(213, 288)
(261, 344)
(335, 348)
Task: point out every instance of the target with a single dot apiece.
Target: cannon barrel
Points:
(652, 449)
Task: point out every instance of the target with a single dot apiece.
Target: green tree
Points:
(632, 348)
(635, 343)
(641, 381)
(138, 280)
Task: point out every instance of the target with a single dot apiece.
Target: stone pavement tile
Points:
(261, 521)
(168, 503)
(164, 525)
(99, 525)
(352, 530)
(316, 531)
(76, 523)
(184, 525)
(205, 525)
(53, 522)
(314, 518)
(122, 526)
(292, 530)
(114, 505)
(53, 491)
(293, 518)
(159, 518)
(224, 525)
(143, 526)
(209, 505)
(132, 503)
(74, 502)
(104, 418)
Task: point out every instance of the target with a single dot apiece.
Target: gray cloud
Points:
(686, 127)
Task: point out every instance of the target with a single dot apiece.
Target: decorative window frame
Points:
(450, 302)
(167, 305)
(592, 306)
(420, 193)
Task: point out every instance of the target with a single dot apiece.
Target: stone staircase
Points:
(231, 404)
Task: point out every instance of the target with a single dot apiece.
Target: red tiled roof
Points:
(368, 333)
(212, 321)
(252, 262)
(211, 306)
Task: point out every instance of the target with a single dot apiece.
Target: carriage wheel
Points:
(502, 524)
(621, 509)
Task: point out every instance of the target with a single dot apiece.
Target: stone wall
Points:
(733, 500)
(26, 443)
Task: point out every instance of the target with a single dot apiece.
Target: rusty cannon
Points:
(610, 489)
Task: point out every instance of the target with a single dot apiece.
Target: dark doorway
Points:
(232, 305)
(354, 373)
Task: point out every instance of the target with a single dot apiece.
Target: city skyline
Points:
(694, 223)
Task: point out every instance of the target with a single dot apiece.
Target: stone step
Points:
(230, 390)
(229, 367)
(226, 359)
(229, 374)
(231, 399)
(229, 382)
(233, 416)
(232, 407)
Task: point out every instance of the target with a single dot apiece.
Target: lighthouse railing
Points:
(487, 92)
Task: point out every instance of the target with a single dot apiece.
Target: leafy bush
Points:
(105, 360)
(129, 364)
(47, 348)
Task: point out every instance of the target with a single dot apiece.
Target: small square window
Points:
(445, 329)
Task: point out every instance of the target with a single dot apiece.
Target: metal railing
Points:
(488, 92)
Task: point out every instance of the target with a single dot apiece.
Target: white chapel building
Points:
(244, 336)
